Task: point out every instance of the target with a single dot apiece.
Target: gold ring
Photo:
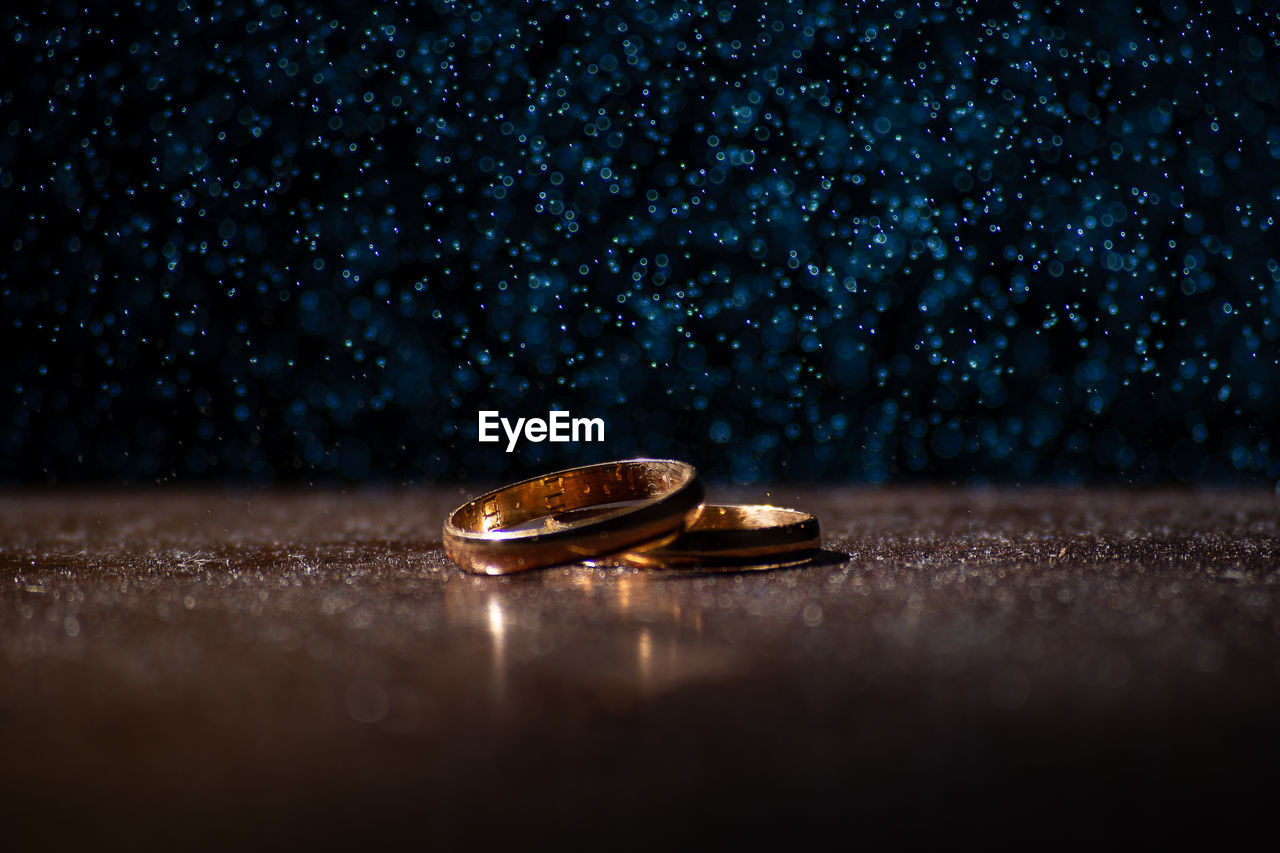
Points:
(737, 537)
(669, 496)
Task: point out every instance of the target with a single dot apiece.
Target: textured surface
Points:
(234, 667)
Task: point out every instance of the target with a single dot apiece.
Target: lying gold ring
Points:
(670, 497)
(737, 537)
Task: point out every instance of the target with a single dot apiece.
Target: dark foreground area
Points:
(262, 668)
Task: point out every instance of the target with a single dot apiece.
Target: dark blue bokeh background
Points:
(285, 242)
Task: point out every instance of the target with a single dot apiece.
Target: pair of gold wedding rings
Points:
(649, 513)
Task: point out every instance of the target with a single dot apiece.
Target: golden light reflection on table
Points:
(654, 641)
(498, 632)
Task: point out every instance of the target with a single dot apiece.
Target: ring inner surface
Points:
(745, 517)
(571, 490)
(737, 528)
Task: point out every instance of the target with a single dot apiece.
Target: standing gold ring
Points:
(669, 497)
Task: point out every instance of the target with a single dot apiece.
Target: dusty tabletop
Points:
(214, 667)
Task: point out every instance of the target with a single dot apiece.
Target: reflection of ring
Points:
(726, 537)
(669, 496)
